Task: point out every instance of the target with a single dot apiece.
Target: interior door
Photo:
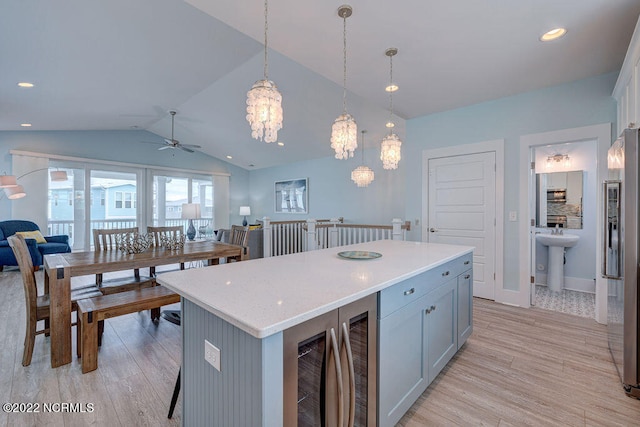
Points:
(462, 211)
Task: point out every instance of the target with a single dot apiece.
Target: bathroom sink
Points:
(563, 240)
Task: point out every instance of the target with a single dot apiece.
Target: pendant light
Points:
(264, 102)
(344, 132)
(390, 150)
(362, 175)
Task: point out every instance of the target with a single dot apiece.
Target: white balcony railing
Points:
(287, 237)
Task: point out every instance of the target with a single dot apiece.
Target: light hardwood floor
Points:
(520, 367)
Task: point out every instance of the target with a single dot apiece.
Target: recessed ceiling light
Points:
(229, 157)
(25, 125)
(391, 88)
(554, 34)
(281, 144)
(25, 84)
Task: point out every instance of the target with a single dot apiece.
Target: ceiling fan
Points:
(174, 143)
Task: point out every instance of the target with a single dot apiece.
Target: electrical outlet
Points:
(513, 216)
(212, 354)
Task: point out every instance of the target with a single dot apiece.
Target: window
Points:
(118, 197)
(127, 200)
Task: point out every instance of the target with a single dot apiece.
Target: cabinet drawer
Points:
(401, 294)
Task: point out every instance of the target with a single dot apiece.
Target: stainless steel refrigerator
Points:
(621, 258)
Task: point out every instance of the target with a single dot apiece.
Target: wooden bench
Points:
(93, 310)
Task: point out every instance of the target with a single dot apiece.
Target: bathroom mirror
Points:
(559, 199)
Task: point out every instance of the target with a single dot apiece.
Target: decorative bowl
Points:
(133, 243)
(172, 243)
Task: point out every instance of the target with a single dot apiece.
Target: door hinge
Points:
(533, 165)
(533, 279)
(533, 222)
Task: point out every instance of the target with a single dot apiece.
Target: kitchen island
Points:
(248, 311)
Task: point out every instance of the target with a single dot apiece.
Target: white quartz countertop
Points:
(268, 295)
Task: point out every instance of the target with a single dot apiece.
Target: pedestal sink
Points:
(557, 244)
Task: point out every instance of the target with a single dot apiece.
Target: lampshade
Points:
(58, 175)
(16, 192)
(7, 181)
(190, 210)
(245, 210)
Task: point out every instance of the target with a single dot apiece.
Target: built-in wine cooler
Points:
(330, 368)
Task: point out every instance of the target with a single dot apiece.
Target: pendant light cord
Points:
(266, 26)
(344, 68)
(363, 146)
(390, 93)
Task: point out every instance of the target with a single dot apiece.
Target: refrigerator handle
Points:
(338, 364)
(352, 375)
(608, 230)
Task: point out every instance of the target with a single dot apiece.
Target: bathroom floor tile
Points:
(571, 302)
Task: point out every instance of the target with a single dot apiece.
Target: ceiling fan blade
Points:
(165, 147)
(190, 145)
(170, 142)
(188, 150)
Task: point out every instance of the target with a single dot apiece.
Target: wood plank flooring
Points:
(520, 367)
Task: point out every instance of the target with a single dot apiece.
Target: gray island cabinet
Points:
(313, 339)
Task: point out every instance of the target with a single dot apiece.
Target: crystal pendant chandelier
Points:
(362, 175)
(390, 150)
(264, 102)
(344, 132)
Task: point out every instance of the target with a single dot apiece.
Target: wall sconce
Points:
(558, 160)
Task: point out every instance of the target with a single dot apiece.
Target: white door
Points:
(462, 211)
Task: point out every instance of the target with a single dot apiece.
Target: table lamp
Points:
(244, 211)
(191, 211)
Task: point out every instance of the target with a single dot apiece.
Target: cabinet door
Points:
(358, 356)
(441, 327)
(401, 358)
(465, 306)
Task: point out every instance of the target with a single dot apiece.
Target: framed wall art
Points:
(292, 196)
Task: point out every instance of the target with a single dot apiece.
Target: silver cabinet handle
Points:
(446, 273)
(410, 291)
(433, 308)
(428, 310)
(433, 230)
(352, 375)
(466, 262)
(466, 276)
(338, 363)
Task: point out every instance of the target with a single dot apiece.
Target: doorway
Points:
(527, 229)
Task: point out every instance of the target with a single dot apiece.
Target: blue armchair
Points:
(54, 245)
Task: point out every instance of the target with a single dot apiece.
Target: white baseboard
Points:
(571, 283)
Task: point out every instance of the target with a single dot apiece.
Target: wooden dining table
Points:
(60, 268)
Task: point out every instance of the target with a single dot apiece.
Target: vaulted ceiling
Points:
(123, 64)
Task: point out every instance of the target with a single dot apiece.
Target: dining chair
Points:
(105, 240)
(38, 305)
(173, 232)
(240, 236)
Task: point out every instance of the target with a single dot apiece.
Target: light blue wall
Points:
(120, 146)
(332, 193)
